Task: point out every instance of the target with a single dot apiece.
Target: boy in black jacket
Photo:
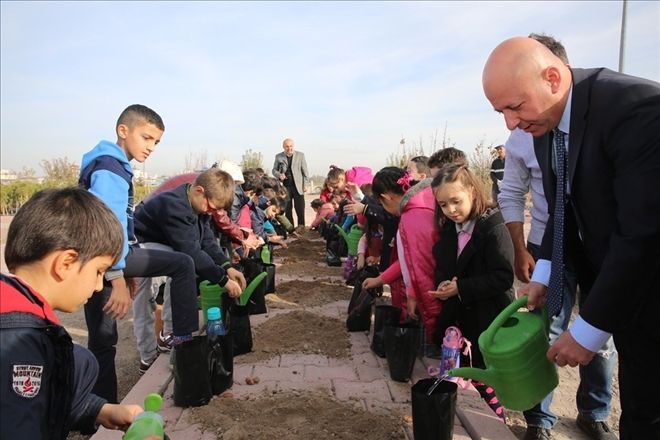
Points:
(59, 245)
(180, 219)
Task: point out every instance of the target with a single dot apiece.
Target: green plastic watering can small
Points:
(245, 295)
(352, 238)
(514, 348)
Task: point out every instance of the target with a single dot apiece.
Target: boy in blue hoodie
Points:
(106, 172)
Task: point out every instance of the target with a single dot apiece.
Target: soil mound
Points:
(293, 294)
(294, 416)
(298, 331)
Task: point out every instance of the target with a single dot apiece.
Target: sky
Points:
(346, 80)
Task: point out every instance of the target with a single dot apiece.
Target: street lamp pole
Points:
(622, 43)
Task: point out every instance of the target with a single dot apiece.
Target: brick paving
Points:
(362, 380)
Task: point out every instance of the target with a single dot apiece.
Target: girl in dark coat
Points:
(474, 262)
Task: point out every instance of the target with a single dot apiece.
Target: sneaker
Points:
(144, 365)
(164, 343)
(595, 430)
(537, 433)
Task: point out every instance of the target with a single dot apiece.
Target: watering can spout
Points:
(245, 295)
(341, 232)
(477, 374)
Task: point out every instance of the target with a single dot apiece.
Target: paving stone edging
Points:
(362, 379)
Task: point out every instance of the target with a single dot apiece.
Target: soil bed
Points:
(293, 294)
(298, 331)
(294, 416)
(308, 269)
(303, 250)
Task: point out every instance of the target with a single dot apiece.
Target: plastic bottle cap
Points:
(153, 402)
(213, 313)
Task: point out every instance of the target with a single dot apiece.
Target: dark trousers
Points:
(298, 200)
(103, 329)
(639, 382)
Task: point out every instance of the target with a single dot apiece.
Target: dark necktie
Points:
(556, 285)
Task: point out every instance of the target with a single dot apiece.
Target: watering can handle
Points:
(505, 314)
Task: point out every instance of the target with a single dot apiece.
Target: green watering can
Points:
(514, 348)
(352, 238)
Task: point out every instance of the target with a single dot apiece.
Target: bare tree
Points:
(480, 162)
(27, 173)
(252, 159)
(60, 172)
(197, 161)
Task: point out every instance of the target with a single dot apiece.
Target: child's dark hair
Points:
(458, 172)
(268, 182)
(316, 203)
(218, 186)
(446, 156)
(386, 180)
(335, 173)
(421, 162)
(59, 219)
(367, 189)
(280, 202)
(136, 113)
(252, 181)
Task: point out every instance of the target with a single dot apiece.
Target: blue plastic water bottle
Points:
(214, 325)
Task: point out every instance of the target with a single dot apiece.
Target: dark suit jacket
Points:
(298, 169)
(485, 277)
(612, 221)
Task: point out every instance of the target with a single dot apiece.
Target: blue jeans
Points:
(594, 394)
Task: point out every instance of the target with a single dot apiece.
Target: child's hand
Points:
(233, 288)
(237, 276)
(446, 289)
(352, 187)
(120, 299)
(370, 283)
(354, 208)
(113, 416)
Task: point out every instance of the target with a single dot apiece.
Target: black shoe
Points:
(595, 430)
(537, 433)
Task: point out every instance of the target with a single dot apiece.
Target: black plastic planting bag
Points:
(270, 278)
(359, 310)
(252, 267)
(192, 386)
(221, 363)
(384, 315)
(433, 416)
(401, 344)
(238, 323)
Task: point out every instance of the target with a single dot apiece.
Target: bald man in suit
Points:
(611, 210)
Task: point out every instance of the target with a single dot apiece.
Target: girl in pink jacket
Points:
(414, 244)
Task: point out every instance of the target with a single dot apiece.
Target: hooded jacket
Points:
(106, 173)
(418, 233)
(37, 365)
